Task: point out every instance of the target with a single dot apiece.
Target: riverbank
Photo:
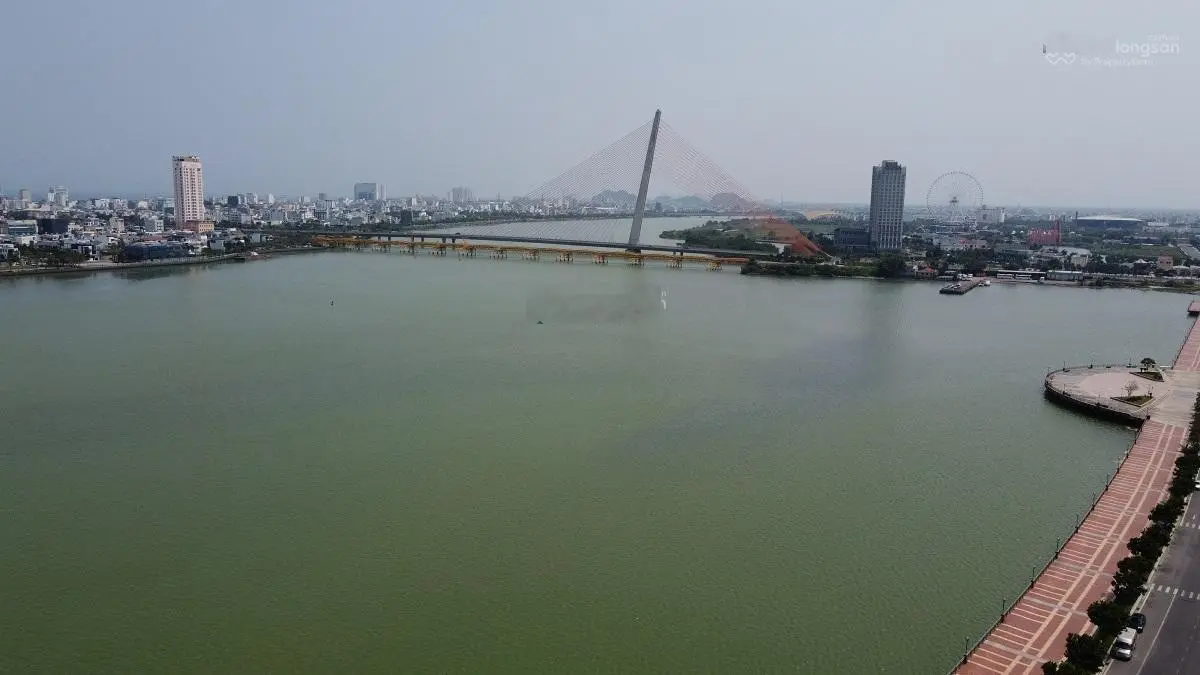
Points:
(1033, 629)
(829, 271)
(791, 269)
(89, 268)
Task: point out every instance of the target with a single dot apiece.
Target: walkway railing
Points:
(968, 647)
(1186, 339)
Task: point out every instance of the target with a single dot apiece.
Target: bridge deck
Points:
(610, 245)
(466, 247)
(589, 244)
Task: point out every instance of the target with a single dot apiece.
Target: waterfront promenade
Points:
(1035, 628)
(103, 266)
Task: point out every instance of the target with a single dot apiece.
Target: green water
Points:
(218, 470)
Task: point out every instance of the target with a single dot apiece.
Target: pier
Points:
(962, 287)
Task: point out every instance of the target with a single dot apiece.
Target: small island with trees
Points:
(733, 235)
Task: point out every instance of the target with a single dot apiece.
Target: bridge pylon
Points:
(639, 208)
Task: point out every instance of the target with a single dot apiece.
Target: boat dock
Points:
(962, 287)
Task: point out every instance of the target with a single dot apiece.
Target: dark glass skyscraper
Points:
(887, 206)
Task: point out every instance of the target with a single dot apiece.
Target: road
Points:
(1171, 643)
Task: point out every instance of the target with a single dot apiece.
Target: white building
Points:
(991, 215)
(152, 224)
(57, 196)
(189, 193)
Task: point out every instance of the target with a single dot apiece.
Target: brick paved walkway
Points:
(1035, 630)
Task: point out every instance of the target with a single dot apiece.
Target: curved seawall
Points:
(1091, 390)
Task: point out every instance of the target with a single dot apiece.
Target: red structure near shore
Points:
(1051, 237)
(786, 233)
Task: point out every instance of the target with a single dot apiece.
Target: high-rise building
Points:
(461, 195)
(369, 192)
(887, 206)
(189, 193)
(25, 195)
(57, 196)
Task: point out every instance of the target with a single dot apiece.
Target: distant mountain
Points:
(615, 198)
(692, 203)
(729, 201)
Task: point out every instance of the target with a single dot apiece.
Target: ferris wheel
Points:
(954, 198)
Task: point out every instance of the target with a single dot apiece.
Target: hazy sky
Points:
(793, 98)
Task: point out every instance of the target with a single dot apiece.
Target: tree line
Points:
(888, 266)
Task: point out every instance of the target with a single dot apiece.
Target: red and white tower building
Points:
(189, 194)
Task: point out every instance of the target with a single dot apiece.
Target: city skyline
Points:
(965, 88)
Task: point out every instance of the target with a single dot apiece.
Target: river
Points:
(371, 462)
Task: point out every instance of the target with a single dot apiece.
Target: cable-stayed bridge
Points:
(652, 168)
